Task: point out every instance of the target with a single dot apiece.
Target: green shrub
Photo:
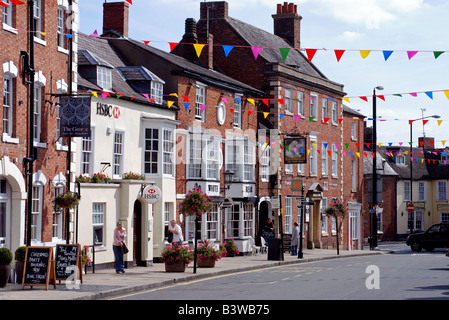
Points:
(5, 256)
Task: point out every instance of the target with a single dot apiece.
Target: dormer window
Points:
(104, 78)
(157, 91)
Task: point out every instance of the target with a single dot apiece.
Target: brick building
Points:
(299, 100)
(51, 20)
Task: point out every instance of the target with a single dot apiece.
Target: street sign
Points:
(410, 207)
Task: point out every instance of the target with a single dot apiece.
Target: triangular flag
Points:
(381, 97)
(265, 114)
(186, 105)
(249, 112)
(424, 122)
(203, 107)
(256, 51)
(251, 101)
(146, 42)
(70, 36)
(346, 99)
(410, 121)
(186, 98)
(347, 145)
(170, 103)
(368, 145)
(172, 45)
(411, 54)
(443, 142)
(227, 49)
(281, 101)
(446, 93)
(365, 53)
(146, 96)
(284, 53)
(95, 34)
(225, 100)
(387, 54)
(437, 54)
(325, 145)
(265, 101)
(232, 110)
(325, 120)
(340, 121)
(339, 54)
(281, 115)
(297, 118)
(95, 93)
(364, 99)
(311, 119)
(439, 122)
(310, 54)
(130, 1)
(3, 4)
(429, 94)
(198, 48)
(357, 145)
(358, 154)
(413, 94)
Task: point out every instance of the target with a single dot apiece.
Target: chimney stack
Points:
(116, 18)
(287, 23)
(214, 10)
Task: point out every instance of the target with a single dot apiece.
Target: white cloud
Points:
(350, 36)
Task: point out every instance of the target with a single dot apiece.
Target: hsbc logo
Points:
(108, 110)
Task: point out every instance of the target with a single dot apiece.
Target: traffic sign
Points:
(410, 207)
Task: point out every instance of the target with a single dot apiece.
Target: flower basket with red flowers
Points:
(175, 256)
(66, 200)
(195, 203)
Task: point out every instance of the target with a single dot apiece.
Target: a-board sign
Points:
(68, 261)
(39, 269)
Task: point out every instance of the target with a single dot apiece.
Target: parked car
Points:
(437, 236)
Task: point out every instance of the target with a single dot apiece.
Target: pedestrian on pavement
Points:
(295, 239)
(119, 237)
(268, 230)
(177, 232)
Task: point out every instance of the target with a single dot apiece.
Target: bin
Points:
(274, 249)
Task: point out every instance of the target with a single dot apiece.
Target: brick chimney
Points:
(216, 9)
(287, 23)
(116, 19)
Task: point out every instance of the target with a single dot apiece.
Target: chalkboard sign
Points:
(68, 261)
(39, 269)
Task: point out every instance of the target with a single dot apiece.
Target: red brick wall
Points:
(54, 66)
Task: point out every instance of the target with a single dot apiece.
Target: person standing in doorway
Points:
(295, 239)
(177, 232)
(119, 237)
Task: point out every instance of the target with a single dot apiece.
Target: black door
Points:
(137, 234)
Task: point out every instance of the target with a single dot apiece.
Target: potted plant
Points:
(66, 200)
(230, 248)
(207, 255)
(5, 266)
(337, 209)
(176, 257)
(85, 258)
(19, 256)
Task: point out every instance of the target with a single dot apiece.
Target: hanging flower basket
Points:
(195, 203)
(67, 200)
(337, 209)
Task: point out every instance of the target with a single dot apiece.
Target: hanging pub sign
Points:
(74, 117)
(295, 149)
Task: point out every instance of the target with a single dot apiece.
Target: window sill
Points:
(8, 28)
(40, 144)
(60, 147)
(63, 50)
(8, 139)
(40, 41)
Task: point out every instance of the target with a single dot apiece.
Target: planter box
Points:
(179, 267)
(206, 263)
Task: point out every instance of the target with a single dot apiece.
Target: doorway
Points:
(137, 234)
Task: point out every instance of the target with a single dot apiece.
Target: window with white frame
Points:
(444, 217)
(104, 78)
(36, 212)
(7, 13)
(233, 163)
(57, 214)
(5, 212)
(200, 101)
(399, 157)
(8, 93)
(233, 221)
(151, 153)
(157, 91)
(301, 169)
(313, 156)
(288, 102)
(334, 225)
(195, 156)
(117, 166)
(324, 160)
(242, 166)
(355, 224)
(407, 190)
(300, 101)
(288, 215)
(415, 219)
(37, 113)
(313, 105)
(421, 191)
(441, 190)
(323, 205)
(98, 214)
(334, 112)
(167, 216)
(37, 18)
(288, 168)
(248, 162)
(87, 147)
(168, 152)
(265, 164)
(213, 158)
(353, 175)
(238, 111)
(61, 24)
(325, 109)
(334, 161)
(354, 131)
(248, 220)
(212, 227)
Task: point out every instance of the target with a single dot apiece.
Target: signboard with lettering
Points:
(295, 150)
(151, 194)
(68, 262)
(74, 117)
(39, 269)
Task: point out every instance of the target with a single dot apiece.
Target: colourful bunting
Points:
(365, 53)
(437, 54)
(339, 54)
(173, 45)
(310, 54)
(411, 54)
(256, 51)
(387, 54)
(198, 48)
(284, 53)
(227, 50)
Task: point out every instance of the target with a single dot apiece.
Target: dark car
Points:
(437, 236)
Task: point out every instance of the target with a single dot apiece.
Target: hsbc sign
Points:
(108, 110)
(151, 194)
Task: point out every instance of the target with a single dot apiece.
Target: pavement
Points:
(104, 284)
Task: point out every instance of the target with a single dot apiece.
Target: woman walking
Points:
(119, 237)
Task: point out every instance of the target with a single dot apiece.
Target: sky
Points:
(328, 25)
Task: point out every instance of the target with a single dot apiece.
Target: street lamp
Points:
(373, 243)
(412, 220)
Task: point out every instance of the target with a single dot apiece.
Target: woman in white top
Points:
(177, 232)
(119, 236)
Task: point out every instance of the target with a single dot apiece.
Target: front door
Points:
(137, 234)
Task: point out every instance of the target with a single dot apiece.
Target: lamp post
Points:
(412, 218)
(373, 243)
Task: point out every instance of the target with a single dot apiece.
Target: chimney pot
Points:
(291, 7)
(285, 9)
(116, 17)
(279, 9)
